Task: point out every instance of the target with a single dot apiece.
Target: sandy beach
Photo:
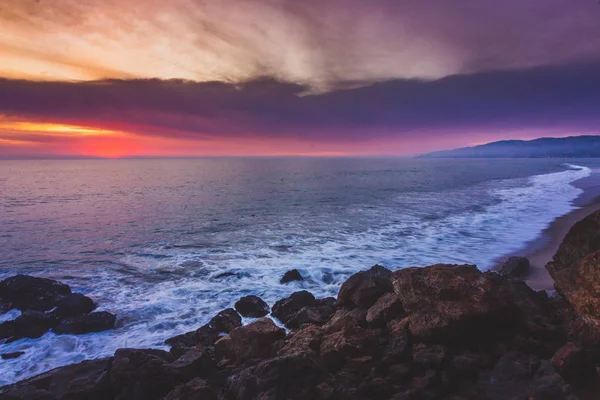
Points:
(541, 251)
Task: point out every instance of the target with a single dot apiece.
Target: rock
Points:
(350, 341)
(87, 323)
(343, 317)
(30, 293)
(306, 316)
(143, 374)
(429, 356)
(285, 309)
(580, 284)
(85, 380)
(305, 340)
(515, 267)
(252, 307)
(74, 304)
(292, 275)
(226, 321)
(575, 269)
(10, 356)
(30, 324)
(522, 376)
(572, 363)
(203, 337)
(387, 308)
(457, 303)
(364, 288)
(254, 340)
(196, 389)
(294, 377)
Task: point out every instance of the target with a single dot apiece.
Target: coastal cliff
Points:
(437, 332)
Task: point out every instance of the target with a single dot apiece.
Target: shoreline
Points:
(541, 250)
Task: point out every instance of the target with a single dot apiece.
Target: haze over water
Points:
(167, 243)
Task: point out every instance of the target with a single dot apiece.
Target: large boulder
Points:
(458, 303)
(143, 374)
(365, 287)
(86, 380)
(294, 377)
(575, 269)
(252, 306)
(285, 309)
(254, 340)
(31, 293)
(87, 323)
(202, 337)
(30, 324)
(74, 304)
(226, 321)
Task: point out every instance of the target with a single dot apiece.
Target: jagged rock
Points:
(292, 275)
(31, 293)
(226, 321)
(201, 338)
(196, 389)
(294, 377)
(252, 306)
(254, 340)
(457, 303)
(349, 341)
(522, 376)
(85, 380)
(10, 356)
(342, 317)
(87, 323)
(307, 339)
(575, 269)
(285, 309)
(387, 308)
(516, 267)
(30, 324)
(143, 374)
(365, 287)
(74, 304)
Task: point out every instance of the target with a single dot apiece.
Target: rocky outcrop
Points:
(364, 288)
(437, 332)
(516, 267)
(30, 293)
(290, 276)
(575, 269)
(48, 305)
(252, 307)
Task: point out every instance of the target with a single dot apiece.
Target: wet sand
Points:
(541, 251)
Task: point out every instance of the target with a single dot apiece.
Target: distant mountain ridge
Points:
(567, 147)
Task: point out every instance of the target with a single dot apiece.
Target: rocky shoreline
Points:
(437, 332)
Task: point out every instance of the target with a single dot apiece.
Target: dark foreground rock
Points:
(30, 293)
(252, 306)
(46, 305)
(447, 332)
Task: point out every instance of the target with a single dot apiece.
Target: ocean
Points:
(167, 243)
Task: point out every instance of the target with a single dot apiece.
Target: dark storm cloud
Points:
(540, 97)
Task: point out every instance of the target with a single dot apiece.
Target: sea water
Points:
(167, 243)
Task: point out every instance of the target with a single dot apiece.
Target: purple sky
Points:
(192, 77)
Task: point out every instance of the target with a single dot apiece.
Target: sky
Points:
(113, 78)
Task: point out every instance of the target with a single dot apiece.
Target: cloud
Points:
(323, 44)
(537, 98)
